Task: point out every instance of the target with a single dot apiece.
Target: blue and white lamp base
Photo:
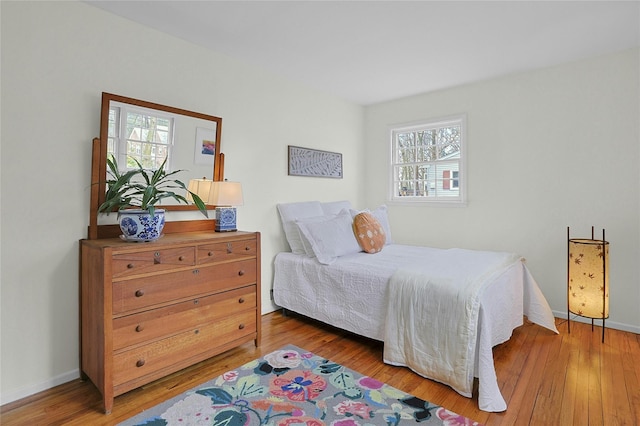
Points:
(226, 219)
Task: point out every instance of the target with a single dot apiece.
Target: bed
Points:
(438, 312)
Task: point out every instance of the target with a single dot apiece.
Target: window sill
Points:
(428, 203)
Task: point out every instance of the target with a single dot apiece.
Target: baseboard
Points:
(26, 391)
(608, 323)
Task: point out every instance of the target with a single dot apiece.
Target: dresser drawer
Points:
(221, 252)
(145, 292)
(127, 264)
(143, 360)
(157, 323)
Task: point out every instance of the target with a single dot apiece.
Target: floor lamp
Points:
(588, 279)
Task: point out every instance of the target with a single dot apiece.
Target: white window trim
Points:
(121, 142)
(462, 179)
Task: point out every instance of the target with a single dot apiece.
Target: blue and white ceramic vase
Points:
(139, 225)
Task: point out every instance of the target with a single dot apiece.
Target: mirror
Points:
(191, 151)
(192, 129)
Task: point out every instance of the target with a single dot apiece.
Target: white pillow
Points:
(303, 239)
(291, 212)
(381, 215)
(334, 207)
(331, 238)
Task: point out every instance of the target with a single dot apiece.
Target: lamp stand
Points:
(225, 219)
(580, 276)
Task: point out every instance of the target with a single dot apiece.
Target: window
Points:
(141, 134)
(427, 162)
(450, 179)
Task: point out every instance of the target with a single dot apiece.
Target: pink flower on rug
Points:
(309, 421)
(345, 422)
(370, 383)
(230, 376)
(298, 385)
(449, 418)
(283, 359)
(352, 407)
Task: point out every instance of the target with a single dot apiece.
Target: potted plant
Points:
(135, 194)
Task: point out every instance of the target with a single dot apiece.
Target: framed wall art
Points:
(313, 162)
(205, 149)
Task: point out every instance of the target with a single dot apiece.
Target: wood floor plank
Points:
(569, 385)
(529, 388)
(615, 404)
(546, 379)
(596, 416)
(511, 358)
(630, 351)
(583, 346)
(551, 389)
(631, 377)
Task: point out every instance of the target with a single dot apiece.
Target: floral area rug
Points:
(294, 387)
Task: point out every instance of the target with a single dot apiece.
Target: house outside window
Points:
(450, 179)
(141, 134)
(427, 162)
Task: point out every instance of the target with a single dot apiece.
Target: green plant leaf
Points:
(143, 188)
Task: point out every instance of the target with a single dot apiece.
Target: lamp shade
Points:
(200, 187)
(588, 277)
(225, 193)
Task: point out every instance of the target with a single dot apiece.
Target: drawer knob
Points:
(181, 258)
(140, 363)
(156, 254)
(247, 248)
(241, 326)
(241, 272)
(196, 331)
(195, 272)
(139, 293)
(195, 302)
(130, 266)
(210, 254)
(241, 300)
(139, 328)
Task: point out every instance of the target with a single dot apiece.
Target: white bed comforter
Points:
(433, 311)
(352, 294)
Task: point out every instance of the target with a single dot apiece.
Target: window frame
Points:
(461, 179)
(119, 140)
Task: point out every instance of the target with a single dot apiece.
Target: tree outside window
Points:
(427, 161)
(138, 134)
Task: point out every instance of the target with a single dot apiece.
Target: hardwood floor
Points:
(546, 379)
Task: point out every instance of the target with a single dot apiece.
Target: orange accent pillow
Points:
(369, 232)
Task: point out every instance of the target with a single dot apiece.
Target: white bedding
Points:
(351, 294)
(433, 312)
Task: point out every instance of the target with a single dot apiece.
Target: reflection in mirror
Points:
(132, 128)
(149, 136)
(149, 133)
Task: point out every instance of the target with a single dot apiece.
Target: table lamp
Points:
(225, 196)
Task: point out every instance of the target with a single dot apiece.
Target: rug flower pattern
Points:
(293, 387)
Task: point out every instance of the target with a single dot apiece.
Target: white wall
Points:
(57, 59)
(547, 149)
(561, 142)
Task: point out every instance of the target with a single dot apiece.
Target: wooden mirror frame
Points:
(99, 169)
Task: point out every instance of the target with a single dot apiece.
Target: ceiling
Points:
(373, 51)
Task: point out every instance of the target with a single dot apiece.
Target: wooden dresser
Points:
(150, 309)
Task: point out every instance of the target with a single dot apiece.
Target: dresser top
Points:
(170, 239)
